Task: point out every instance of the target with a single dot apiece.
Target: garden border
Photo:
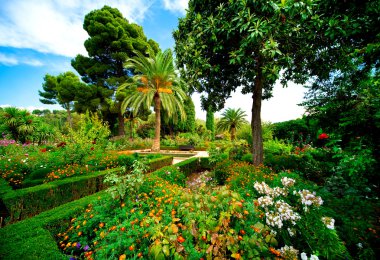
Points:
(21, 204)
(33, 238)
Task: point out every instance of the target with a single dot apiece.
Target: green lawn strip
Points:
(28, 202)
(32, 238)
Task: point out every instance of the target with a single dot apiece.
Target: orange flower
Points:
(180, 239)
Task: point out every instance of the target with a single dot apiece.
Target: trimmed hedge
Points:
(33, 238)
(189, 166)
(28, 202)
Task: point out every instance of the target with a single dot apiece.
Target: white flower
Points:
(329, 222)
(291, 232)
(265, 201)
(314, 257)
(360, 245)
(287, 182)
(308, 198)
(303, 256)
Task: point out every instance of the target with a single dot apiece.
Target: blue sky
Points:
(42, 36)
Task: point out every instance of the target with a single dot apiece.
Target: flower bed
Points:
(28, 202)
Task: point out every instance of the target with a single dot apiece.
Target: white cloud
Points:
(176, 5)
(7, 60)
(55, 26)
(10, 60)
(281, 107)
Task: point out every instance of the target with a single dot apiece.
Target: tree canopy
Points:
(112, 41)
(155, 83)
(62, 89)
(222, 45)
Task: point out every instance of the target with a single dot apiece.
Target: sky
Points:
(39, 37)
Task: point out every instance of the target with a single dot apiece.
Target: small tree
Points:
(232, 119)
(61, 90)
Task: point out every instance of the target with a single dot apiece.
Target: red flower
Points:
(92, 148)
(43, 150)
(323, 136)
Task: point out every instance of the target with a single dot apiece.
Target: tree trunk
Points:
(257, 152)
(233, 133)
(69, 119)
(131, 129)
(157, 131)
(120, 118)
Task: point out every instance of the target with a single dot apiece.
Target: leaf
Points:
(166, 251)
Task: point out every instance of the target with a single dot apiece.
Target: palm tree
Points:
(154, 81)
(232, 119)
(19, 123)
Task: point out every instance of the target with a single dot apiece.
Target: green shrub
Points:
(276, 147)
(221, 171)
(172, 174)
(247, 158)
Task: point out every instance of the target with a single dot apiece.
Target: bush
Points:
(276, 147)
(221, 171)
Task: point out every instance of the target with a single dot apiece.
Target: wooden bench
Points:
(186, 147)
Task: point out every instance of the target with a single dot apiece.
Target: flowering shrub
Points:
(271, 215)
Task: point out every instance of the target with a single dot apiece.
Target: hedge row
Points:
(33, 238)
(24, 203)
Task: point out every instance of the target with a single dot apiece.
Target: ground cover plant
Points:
(271, 215)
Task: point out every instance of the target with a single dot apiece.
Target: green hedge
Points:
(33, 238)
(24, 203)
(189, 166)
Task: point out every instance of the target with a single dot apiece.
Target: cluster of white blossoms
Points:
(309, 198)
(264, 188)
(312, 257)
(265, 201)
(287, 182)
(289, 252)
(282, 211)
(329, 222)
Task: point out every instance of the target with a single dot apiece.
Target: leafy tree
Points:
(112, 41)
(157, 82)
(61, 89)
(225, 44)
(232, 119)
(18, 123)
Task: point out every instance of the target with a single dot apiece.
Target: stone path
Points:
(199, 154)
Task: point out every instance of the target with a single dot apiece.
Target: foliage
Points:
(223, 45)
(155, 82)
(232, 120)
(81, 142)
(112, 41)
(62, 89)
(295, 132)
(129, 183)
(276, 147)
(210, 122)
(18, 123)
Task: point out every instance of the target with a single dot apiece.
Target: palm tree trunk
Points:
(157, 131)
(233, 133)
(257, 153)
